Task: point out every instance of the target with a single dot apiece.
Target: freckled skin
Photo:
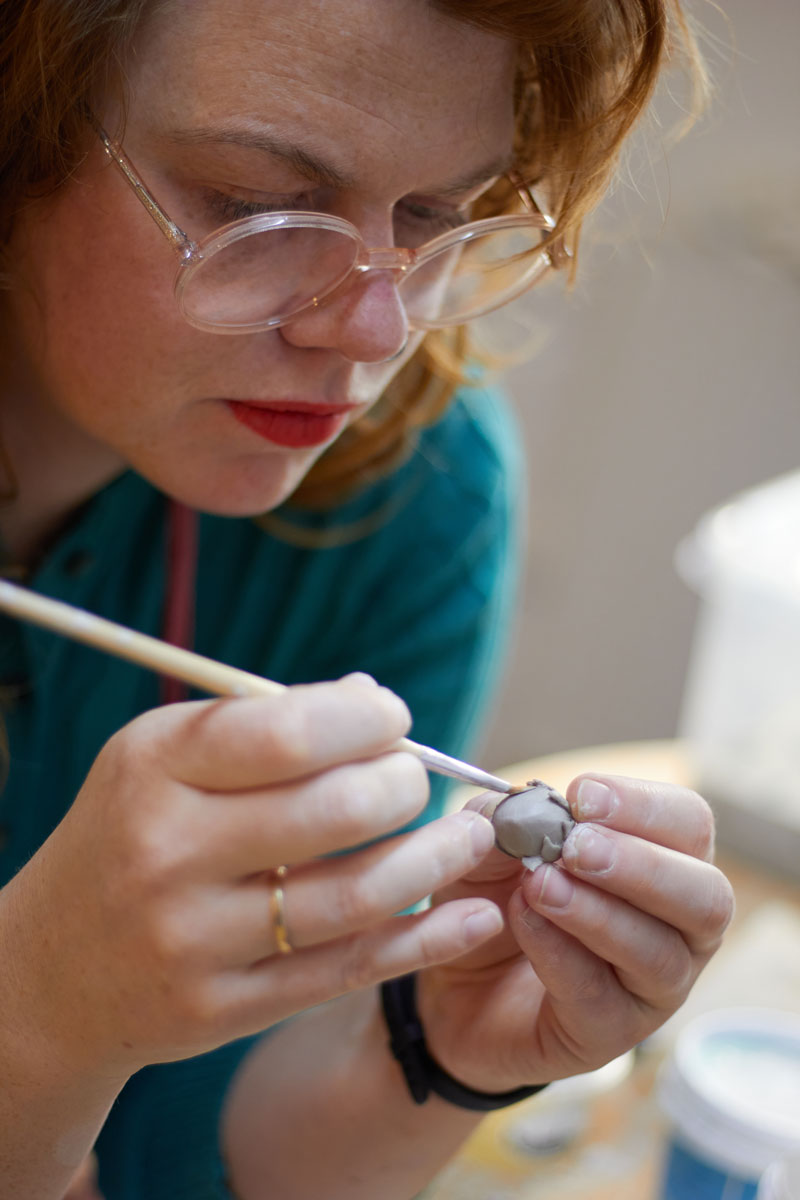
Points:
(532, 823)
(99, 369)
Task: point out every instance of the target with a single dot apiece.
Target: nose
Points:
(366, 323)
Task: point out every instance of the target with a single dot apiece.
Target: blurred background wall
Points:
(668, 381)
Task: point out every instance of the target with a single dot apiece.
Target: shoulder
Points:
(464, 468)
(463, 479)
(480, 419)
(474, 449)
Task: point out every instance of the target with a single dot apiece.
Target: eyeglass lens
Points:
(269, 275)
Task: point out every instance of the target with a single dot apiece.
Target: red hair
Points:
(587, 69)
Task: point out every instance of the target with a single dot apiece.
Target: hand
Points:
(616, 934)
(142, 931)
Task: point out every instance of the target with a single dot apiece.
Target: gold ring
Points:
(278, 912)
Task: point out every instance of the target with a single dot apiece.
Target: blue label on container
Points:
(687, 1178)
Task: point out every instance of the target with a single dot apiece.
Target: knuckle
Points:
(197, 1013)
(290, 733)
(396, 712)
(379, 699)
(719, 908)
(396, 781)
(378, 711)
(127, 752)
(448, 857)
(435, 940)
(451, 851)
(432, 942)
(407, 776)
(152, 853)
(594, 921)
(670, 964)
(364, 798)
(705, 828)
(355, 795)
(356, 965)
(169, 937)
(593, 984)
(354, 904)
(202, 1008)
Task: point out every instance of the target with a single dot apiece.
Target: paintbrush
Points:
(205, 673)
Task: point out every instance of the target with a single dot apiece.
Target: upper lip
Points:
(319, 409)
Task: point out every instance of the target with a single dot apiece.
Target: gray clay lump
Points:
(532, 824)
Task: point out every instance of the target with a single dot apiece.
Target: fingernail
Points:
(595, 800)
(481, 925)
(485, 804)
(481, 832)
(555, 888)
(362, 677)
(589, 850)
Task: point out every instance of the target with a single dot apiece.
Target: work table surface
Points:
(618, 1154)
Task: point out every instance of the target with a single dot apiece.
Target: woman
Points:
(151, 932)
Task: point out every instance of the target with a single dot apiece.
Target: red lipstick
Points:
(291, 423)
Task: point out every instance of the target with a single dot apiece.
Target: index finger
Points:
(238, 743)
(664, 813)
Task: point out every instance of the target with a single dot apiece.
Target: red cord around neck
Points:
(179, 599)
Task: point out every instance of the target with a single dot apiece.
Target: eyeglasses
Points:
(260, 272)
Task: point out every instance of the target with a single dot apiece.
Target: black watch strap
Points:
(423, 1074)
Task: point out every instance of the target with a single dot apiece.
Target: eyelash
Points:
(230, 208)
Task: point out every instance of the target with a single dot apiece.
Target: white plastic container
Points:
(780, 1181)
(731, 1091)
(741, 709)
(560, 1114)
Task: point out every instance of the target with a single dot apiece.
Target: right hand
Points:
(141, 930)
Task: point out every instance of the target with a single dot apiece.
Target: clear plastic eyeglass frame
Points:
(398, 260)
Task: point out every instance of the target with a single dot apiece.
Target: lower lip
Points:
(289, 427)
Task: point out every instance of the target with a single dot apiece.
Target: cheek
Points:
(370, 380)
(98, 309)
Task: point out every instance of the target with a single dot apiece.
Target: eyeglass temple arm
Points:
(180, 241)
(559, 253)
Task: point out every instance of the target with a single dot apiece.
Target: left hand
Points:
(598, 950)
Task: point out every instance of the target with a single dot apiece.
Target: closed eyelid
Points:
(316, 198)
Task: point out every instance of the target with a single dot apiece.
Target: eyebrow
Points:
(302, 161)
(309, 165)
(481, 175)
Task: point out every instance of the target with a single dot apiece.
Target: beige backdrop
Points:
(669, 382)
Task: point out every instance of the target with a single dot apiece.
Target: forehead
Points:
(383, 80)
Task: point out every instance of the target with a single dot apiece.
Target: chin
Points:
(235, 501)
(246, 491)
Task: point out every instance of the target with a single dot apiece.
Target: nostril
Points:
(398, 353)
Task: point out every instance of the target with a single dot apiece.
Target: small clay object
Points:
(532, 824)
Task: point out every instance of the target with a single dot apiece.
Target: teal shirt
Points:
(411, 581)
